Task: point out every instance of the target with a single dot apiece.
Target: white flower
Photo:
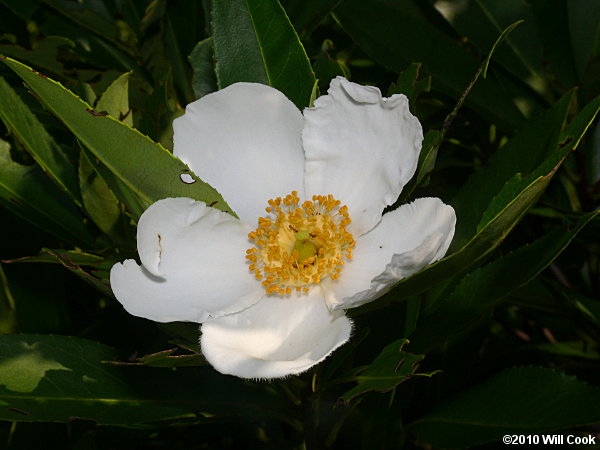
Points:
(252, 144)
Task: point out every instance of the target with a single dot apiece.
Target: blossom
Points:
(309, 188)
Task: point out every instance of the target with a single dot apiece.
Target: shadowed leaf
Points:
(392, 367)
(523, 400)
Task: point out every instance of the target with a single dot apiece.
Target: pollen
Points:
(300, 244)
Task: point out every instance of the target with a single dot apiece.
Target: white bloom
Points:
(252, 144)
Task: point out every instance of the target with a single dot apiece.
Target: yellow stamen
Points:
(300, 245)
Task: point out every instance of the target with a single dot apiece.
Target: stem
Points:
(310, 407)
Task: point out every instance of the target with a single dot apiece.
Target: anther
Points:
(300, 244)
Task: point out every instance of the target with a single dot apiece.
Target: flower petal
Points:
(194, 266)
(244, 140)
(405, 241)
(278, 336)
(354, 134)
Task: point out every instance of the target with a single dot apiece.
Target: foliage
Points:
(500, 337)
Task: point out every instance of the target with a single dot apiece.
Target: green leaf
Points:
(165, 358)
(391, 367)
(22, 8)
(91, 48)
(508, 207)
(179, 66)
(85, 92)
(74, 257)
(95, 17)
(8, 308)
(425, 165)
(306, 14)
(327, 68)
(29, 193)
(533, 144)
(480, 291)
(588, 307)
(486, 239)
(407, 84)
(102, 205)
(569, 140)
(410, 83)
(19, 119)
(155, 11)
(434, 138)
(428, 155)
(503, 36)
(204, 80)
(135, 206)
(396, 34)
(576, 349)
(115, 100)
(145, 167)
(57, 378)
(44, 56)
(254, 41)
(584, 26)
(96, 274)
(552, 21)
(482, 243)
(523, 400)
(480, 21)
(97, 277)
(572, 136)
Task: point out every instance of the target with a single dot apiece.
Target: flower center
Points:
(299, 245)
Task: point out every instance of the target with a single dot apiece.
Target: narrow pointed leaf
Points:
(555, 36)
(504, 211)
(19, 119)
(396, 34)
(102, 205)
(535, 142)
(115, 100)
(44, 56)
(92, 269)
(254, 41)
(523, 54)
(179, 64)
(134, 204)
(327, 67)
(57, 378)
(584, 27)
(165, 358)
(29, 193)
(73, 256)
(523, 400)
(391, 367)
(93, 16)
(201, 59)
(306, 14)
(142, 165)
(478, 292)
(410, 83)
(8, 307)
